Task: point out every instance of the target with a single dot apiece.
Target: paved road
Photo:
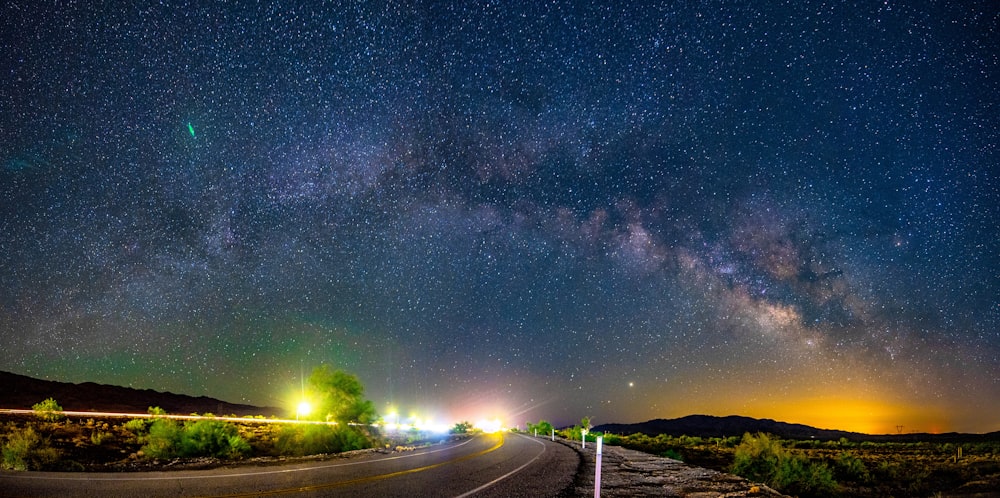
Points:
(487, 465)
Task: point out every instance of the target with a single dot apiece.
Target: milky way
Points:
(533, 210)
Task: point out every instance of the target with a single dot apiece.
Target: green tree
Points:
(338, 396)
(48, 409)
(461, 428)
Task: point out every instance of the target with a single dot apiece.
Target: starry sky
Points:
(517, 209)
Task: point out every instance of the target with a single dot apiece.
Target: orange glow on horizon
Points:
(856, 415)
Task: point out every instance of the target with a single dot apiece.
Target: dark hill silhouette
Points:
(712, 426)
(20, 391)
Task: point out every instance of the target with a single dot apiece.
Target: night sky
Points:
(517, 209)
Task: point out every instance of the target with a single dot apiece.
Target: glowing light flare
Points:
(392, 422)
(489, 426)
(304, 409)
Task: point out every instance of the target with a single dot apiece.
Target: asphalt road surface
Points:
(506, 464)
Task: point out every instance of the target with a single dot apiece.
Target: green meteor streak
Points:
(191, 129)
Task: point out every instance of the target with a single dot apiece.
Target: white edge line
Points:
(498, 479)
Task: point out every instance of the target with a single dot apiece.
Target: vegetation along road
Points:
(486, 465)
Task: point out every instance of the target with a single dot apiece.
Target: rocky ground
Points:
(630, 473)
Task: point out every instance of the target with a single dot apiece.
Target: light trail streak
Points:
(67, 413)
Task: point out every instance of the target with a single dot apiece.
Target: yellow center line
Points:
(359, 480)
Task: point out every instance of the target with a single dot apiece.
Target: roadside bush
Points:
(572, 433)
(48, 409)
(673, 454)
(163, 439)
(167, 439)
(761, 458)
(315, 439)
(212, 438)
(27, 450)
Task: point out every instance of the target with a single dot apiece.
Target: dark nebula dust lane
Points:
(525, 210)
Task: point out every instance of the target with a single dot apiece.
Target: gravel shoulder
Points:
(629, 473)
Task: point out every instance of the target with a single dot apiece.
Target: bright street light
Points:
(303, 409)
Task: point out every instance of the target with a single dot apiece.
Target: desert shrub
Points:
(757, 457)
(798, 476)
(138, 425)
(238, 447)
(413, 436)
(690, 440)
(887, 470)
(48, 409)
(572, 433)
(849, 467)
(167, 439)
(806, 444)
(156, 411)
(100, 437)
(26, 450)
(986, 448)
(762, 458)
(612, 439)
(672, 453)
(314, 439)
(212, 438)
(163, 439)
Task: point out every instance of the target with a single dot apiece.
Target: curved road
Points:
(487, 465)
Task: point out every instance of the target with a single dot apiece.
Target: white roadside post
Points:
(597, 473)
(553, 433)
(583, 438)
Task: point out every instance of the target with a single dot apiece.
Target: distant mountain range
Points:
(712, 426)
(19, 391)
